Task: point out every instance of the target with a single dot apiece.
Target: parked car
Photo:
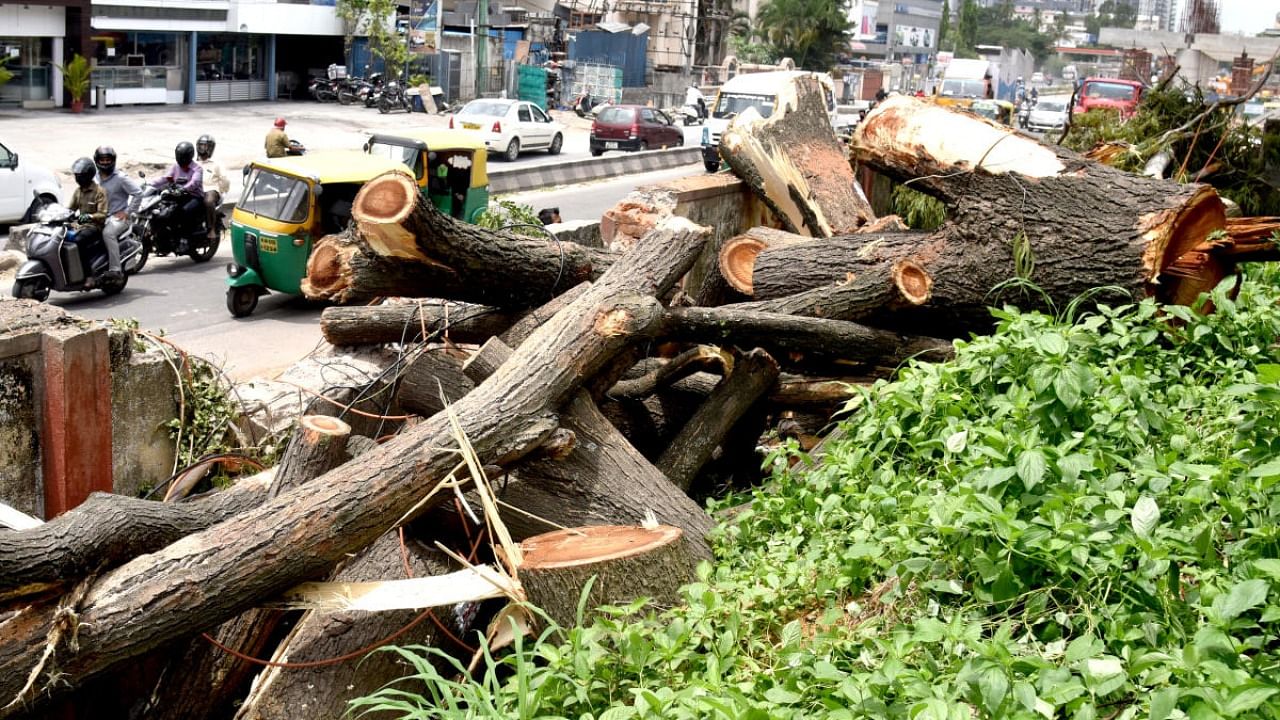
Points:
(633, 127)
(24, 186)
(1049, 113)
(510, 127)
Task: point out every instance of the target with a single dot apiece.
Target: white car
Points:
(510, 127)
(1050, 113)
(21, 184)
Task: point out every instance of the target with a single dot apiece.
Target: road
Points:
(187, 302)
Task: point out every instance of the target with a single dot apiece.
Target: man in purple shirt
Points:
(188, 175)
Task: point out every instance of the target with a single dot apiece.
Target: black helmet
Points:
(205, 146)
(84, 170)
(184, 153)
(105, 158)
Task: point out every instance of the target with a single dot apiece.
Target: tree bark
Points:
(532, 320)
(412, 322)
(344, 269)
(667, 372)
(214, 574)
(625, 562)
(106, 530)
(1019, 209)
(476, 265)
(796, 165)
(753, 374)
(434, 376)
(738, 255)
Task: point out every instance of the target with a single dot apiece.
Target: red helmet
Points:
(280, 122)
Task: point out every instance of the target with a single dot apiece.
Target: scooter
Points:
(57, 261)
(689, 115)
(1024, 113)
(167, 230)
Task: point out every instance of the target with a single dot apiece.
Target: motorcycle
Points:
(323, 90)
(57, 260)
(689, 115)
(393, 98)
(372, 90)
(585, 106)
(165, 229)
(1024, 113)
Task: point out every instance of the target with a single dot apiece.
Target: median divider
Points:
(515, 179)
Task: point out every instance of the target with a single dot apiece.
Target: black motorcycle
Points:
(67, 259)
(323, 90)
(393, 98)
(165, 228)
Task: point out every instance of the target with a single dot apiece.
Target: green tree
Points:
(944, 25)
(811, 32)
(740, 25)
(376, 20)
(968, 24)
(750, 51)
(1060, 26)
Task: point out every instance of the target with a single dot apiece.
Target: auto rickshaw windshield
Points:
(410, 156)
(276, 196)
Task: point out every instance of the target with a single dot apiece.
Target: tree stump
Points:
(626, 562)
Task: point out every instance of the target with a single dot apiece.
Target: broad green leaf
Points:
(1245, 699)
(782, 696)
(1067, 388)
(1025, 694)
(993, 685)
(1268, 469)
(1053, 344)
(1268, 566)
(1268, 373)
(1031, 467)
(1241, 597)
(1145, 516)
(1163, 701)
(956, 441)
(1082, 647)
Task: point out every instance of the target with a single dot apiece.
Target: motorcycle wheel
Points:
(242, 301)
(205, 253)
(384, 106)
(115, 288)
(36, 288)
(143, 255)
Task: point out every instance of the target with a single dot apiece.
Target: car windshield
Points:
(963, 88)
(491, 108)
(1051, 106)
(1110, 91)
(617, 116)
(410, 156)
(730, 105)
(275, 196)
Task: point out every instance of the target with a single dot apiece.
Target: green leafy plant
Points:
(375, 20)
(503, 213)
(76, 76)
(917, 210)
(5, 73)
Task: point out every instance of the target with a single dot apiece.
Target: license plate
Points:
(471, 126)
(611, 146)
(267, 244)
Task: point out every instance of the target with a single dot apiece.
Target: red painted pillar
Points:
(75, 437)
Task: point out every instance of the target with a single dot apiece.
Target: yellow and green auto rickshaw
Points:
(287, 205)
(1000, 111)
(451, 167)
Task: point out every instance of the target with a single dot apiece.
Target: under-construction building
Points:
(682, 33)
(1201, 17)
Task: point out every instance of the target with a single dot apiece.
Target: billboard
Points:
(912, 36)
(862, 18)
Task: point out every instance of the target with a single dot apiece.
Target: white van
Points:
(753, 90)
(21, 183)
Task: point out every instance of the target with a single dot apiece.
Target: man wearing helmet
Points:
(216, 183)
(186, 174)
(89, 201)
(121, 192)
(277, 144)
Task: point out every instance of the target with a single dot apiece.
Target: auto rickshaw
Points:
(289, 203)
(450, 166)
(999, 110)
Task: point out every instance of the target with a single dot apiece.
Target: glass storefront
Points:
(231, 56)
(140, 49)
(30, 61)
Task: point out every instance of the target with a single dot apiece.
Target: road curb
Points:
(505, 180)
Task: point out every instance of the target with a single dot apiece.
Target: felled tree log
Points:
(474, 264)
(203, 681)
(432, 377)
(794, 162)
(217, 573)
(106, 530)
(738, 255)
(625, 562)
(666, 372)
(753, 374)
(602, 481)
(1020, 209)
(411, 322)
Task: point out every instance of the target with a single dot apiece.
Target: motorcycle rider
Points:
(188, 175)
(693, 98)
(277, 143)
(121, 193)
(216, 182)
(89, 201)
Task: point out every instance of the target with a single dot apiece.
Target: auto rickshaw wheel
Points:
(242, 300)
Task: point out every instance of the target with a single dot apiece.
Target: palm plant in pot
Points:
(75, 78)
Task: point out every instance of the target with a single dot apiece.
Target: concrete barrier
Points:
(505, 180)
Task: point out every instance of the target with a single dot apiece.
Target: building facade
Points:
(36, 37)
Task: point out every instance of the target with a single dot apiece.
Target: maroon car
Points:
(633, 127)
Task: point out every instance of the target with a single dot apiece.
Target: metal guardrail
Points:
(505, 180)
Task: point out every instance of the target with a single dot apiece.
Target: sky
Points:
(1248, 16)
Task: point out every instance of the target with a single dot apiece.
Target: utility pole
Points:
(482, 46)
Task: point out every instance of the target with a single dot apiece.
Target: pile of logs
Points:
(545, 386)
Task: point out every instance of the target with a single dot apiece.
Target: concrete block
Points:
(75, 423)
(20, 478)
(17, 239)
(144, 399)
(582, 232)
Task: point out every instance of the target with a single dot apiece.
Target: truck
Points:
(965, 81)
(1121, 96)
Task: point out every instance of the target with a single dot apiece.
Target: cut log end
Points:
(591, 545)
(325, 276)
(738, 260)
(1181, 274)
(388, 198)
(913, 282)
(326, 425)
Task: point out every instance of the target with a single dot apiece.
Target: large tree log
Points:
(621, 563)
(215, 574)
(796, 165)
(432, 378)
(408, 322)
(753, 374)
(343, 269)
(475, 264)
(602, 481)
(1020, 209)
(106, 530)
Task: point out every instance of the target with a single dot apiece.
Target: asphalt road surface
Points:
(187, 302)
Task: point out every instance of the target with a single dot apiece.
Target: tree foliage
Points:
(1111, 14)
(944, 23)
(810, 32)
(376, 20)
(5, 74)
